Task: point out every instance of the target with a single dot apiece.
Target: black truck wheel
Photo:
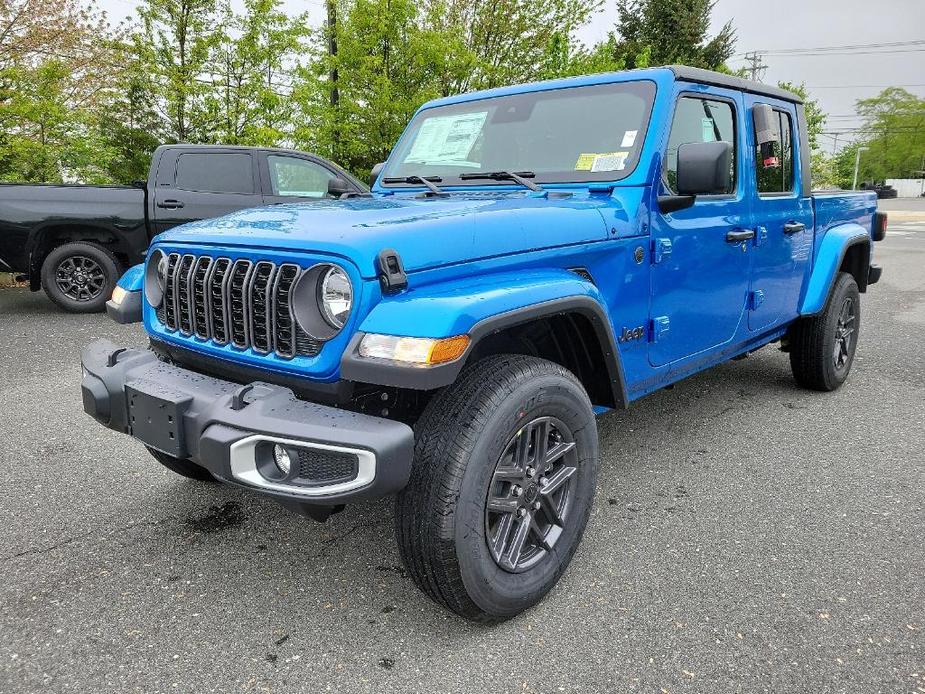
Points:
(506, 461)
(79, 277)
(822, 347)
(186, 468)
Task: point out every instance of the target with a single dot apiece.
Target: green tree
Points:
(175, 43)
(251, 71)
(664, 32)
(894, 133)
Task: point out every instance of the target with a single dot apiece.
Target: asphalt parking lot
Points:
(747, 536)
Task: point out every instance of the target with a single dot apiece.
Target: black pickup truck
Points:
(74, 241)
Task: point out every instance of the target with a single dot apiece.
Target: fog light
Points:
(282, 459)
(118, 295)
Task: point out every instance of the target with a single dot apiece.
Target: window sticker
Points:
(445, 139)
(629, 138)
(708, 133)
(585, 162)
(612, 161)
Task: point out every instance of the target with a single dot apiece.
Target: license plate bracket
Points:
(157, 419)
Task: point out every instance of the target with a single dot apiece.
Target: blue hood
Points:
(426, 232)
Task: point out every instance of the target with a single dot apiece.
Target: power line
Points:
(851, 47)
(861, 86)
(756, 68)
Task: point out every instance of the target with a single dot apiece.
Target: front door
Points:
(700, 271)
(205, 185)
(782, 218)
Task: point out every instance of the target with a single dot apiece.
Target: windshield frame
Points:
(647, 87)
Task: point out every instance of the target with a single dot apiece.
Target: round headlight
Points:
(335, 296)
(155, 278)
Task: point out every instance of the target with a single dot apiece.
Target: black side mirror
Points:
(704, 168)
(374, 174)
(338, 187)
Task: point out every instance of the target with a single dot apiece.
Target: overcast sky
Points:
(837, 81)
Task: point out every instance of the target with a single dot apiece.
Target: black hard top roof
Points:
(718, 79)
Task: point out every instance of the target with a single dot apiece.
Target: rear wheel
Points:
(186, 468)
(79, 277)
(506, 462)
(822, 347)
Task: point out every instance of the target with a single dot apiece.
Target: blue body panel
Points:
(133, 279)
(483, 251)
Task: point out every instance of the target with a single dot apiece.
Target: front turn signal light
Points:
(118, 295)
(415, 351)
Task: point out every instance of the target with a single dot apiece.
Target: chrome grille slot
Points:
(200, 307)
(182, 288)
(237, 303)
(258, 292)
(170, 299)
(218, 313)
(243, 303)
(284, 327)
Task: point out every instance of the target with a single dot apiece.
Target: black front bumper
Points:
(219, 425)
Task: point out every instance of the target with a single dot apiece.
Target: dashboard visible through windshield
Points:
(577, 134)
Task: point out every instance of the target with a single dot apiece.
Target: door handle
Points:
(739, 235)
(794, 227)
(170, 204)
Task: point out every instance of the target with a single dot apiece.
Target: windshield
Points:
(576, 134)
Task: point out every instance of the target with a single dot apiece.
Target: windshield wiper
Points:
(520, 177)
(426, 180)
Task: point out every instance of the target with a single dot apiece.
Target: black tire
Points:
(79, 277)
(813, 340)
(443, 521)
(186, 468)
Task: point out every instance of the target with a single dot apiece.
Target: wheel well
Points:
(568, 339)
(52, 237)
(856, 261)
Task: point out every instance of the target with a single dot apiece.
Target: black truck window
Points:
(774, 160)
(298, 177)
(215, 172)
(700, 120)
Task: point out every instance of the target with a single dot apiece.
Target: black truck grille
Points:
(240, 302)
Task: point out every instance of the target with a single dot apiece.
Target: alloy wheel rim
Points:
(80, 278)
(844, 329)
(530, 495)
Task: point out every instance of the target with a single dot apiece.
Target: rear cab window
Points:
(774, 164)
(700, 119)
(215, 172)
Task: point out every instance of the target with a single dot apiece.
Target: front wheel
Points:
(506, 462)
(822, 347)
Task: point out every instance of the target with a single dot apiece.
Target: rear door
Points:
(700, 265)
(782, 218)
(194, 185)
(291, 178)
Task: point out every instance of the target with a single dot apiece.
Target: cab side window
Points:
(774, 160)
(291, 176)
(700, 120)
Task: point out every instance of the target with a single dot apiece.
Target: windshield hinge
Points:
(392, 277)
(661, 249)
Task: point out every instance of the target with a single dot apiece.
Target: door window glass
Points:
(774, 160)
(700, 120)
(215, 172)
(298, 177)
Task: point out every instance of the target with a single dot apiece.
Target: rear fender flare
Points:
(832, 250)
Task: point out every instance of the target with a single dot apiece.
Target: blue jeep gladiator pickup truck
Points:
(529, 257)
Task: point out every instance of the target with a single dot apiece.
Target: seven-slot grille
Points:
(240, 302)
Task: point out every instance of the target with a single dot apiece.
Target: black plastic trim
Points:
(129, 311)
(206, 424)
(388, 373)
(873, 274)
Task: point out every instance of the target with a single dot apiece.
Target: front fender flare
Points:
(478, 307)
(832, 250)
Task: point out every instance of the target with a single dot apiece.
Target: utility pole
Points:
(333, 75)
(755, 68)
(857, 164)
